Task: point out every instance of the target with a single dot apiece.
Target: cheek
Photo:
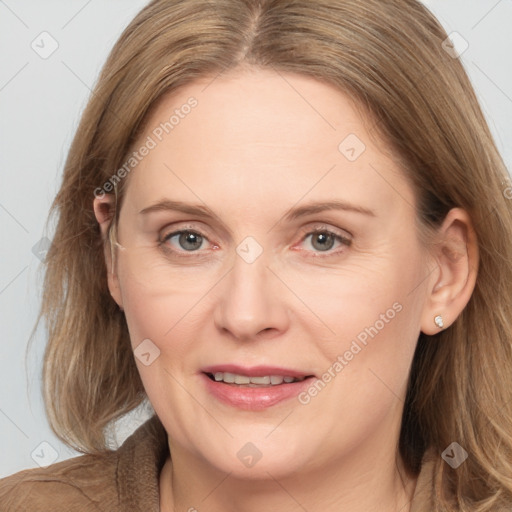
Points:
(166, 320)
(171, 318)
(359, 300)
(158, 310)
(373, 318)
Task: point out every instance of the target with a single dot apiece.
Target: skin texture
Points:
(253, 148)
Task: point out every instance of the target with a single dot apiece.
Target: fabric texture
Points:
(125, 480)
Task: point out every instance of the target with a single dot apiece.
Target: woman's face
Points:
(298, 258)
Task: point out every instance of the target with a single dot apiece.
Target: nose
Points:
(252, 303)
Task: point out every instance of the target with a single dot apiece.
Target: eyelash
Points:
(345, 242)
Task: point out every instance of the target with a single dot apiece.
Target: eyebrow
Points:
(167, 204)
(292, 214)
(312, 208)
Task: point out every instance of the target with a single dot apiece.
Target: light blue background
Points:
(41, 101)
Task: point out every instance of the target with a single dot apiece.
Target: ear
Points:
(104, 209)
(456, 258)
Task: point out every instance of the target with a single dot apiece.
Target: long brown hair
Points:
(387, 55)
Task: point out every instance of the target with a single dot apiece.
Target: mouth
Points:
(254, 388)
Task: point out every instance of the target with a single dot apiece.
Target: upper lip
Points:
(255, 371)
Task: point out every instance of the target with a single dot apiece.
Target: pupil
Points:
(190, 241)
(326, 241)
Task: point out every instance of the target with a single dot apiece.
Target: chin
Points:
(258, 458)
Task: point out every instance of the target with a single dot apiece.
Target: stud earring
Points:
(439, 321)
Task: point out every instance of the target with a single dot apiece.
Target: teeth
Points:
(260, 380)
(274, 380)
(242, 379)
(229, 377)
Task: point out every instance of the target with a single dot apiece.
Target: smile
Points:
(253, 388)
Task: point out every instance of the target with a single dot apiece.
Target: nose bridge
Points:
(250, 301)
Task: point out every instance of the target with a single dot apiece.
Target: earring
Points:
(439, 321)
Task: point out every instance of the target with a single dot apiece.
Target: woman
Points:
(285, 225)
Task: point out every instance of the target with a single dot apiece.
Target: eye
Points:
(187, 240)
(323, 240)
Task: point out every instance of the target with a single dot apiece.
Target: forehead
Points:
(261, 136)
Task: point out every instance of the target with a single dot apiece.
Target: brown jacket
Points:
(126, 480)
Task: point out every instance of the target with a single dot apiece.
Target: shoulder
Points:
(87, 482)
(123, 480)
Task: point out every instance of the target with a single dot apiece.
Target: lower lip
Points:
(254, 399)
